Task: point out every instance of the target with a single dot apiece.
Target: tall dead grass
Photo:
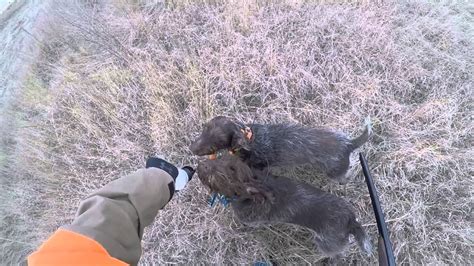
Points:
(117, 84)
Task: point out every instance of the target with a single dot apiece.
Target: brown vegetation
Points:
(115, 84)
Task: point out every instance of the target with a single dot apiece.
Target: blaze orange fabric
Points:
(69, 248)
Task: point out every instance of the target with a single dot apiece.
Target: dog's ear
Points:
(239, 139)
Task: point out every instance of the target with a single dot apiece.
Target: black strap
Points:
(386, 256)
(167, 167)
(171, 188)
(163, 165)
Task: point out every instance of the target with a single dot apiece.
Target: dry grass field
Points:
(118, 82)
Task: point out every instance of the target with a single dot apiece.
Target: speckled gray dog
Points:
(264, 199)
(281, 145)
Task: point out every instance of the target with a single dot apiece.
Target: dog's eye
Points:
(232, 168)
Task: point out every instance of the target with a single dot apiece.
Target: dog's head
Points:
(220, 133)
(231, 177)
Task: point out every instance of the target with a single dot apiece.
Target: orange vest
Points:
(69, 248)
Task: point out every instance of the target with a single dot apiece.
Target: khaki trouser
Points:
(116, 215)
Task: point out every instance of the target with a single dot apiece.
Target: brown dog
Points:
(261, 146)
(264, 199)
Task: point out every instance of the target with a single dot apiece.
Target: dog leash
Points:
(385, 250)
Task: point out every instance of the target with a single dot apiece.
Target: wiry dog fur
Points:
(281, 145)
(265, 199)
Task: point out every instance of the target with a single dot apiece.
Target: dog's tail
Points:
(359, 141)
(361, 236)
